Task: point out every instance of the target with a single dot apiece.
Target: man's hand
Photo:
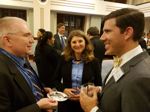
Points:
(48, 90)
(47, 103)
(88, 102)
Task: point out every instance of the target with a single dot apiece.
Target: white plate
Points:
(58, 96)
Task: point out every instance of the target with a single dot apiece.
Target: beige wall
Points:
(137, 1)
(53, 25)
(30, 19)
(147, 25)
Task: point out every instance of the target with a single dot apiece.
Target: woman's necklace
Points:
(77, 59)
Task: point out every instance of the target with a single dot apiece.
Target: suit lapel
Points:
(67, 74)
(18, 78)
(70, 72)
(84, 74)
(22, 83)
(107, 76)
(126, 67)
(109, 83)
(58, 41)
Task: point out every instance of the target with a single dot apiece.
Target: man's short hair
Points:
(93, 31)
(60, 25)
(128, 17)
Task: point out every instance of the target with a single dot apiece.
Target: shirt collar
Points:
(17, 60)
(60, 35)
(130, 54)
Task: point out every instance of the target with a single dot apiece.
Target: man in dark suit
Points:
(126, 88)
(60, 38)
(99, 48)
(20, 89)
(142, 42)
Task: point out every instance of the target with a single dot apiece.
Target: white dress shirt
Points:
(116, 71)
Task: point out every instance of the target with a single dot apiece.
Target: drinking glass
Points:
(87, 88)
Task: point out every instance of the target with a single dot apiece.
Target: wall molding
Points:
(145, 8)
(92, 7)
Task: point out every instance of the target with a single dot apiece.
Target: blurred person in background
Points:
(60, 38)
(142, 42)
(99, 48)
(47, 60)
(40, 33)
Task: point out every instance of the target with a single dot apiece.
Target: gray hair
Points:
(7, 25)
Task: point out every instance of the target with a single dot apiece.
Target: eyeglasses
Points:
(22, 34)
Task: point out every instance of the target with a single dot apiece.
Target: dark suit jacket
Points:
(142, 43)
(131, 93)
(91, 73)
(57, 44)
(15, 93)
(99, 48)
(47, 60)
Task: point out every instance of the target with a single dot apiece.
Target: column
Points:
(41, 17)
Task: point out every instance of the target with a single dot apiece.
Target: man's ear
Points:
(128, 33)
(6, 40)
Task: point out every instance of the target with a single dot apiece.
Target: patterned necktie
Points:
(117, 61)
(35, 83)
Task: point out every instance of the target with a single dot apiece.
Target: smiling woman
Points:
(77, 67)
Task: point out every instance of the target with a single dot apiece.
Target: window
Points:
(13, 12)
(71, 22)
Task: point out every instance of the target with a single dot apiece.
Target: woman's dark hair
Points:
(47, 35)
(42, 30)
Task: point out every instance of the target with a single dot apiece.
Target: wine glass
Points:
(87, 88)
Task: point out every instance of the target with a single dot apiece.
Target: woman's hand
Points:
(72, 93)
(48, 90)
